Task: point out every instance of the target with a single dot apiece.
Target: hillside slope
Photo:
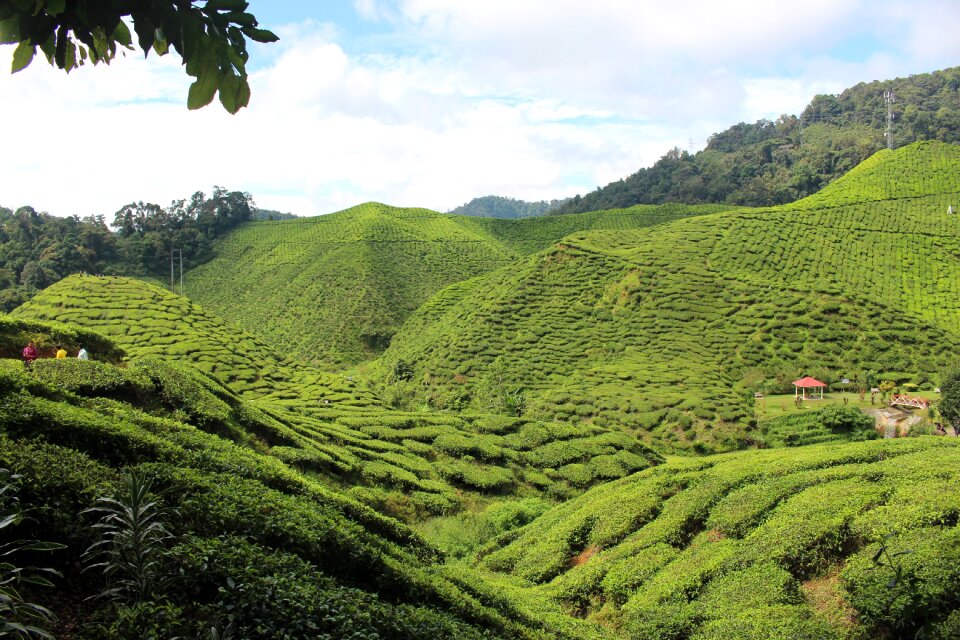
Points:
(347, 281)
(147, 320)
(409, 464)
(657, 330)
(759, 544)
(249, 547)
(768, 163)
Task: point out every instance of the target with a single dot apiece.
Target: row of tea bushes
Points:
(666, 331)
(791, 543)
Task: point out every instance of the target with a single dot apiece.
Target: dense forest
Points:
(38, 249)
(500, 207)
(769, 163)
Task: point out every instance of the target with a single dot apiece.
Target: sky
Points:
(431, 103)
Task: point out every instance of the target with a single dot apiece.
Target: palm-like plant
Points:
(133, 537)
(19, 618)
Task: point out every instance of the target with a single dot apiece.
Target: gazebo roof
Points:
(808, 382)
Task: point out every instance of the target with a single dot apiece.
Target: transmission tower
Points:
(889, 98)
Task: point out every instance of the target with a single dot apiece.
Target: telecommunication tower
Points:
(889, 98)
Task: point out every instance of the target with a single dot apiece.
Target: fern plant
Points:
(18, 617)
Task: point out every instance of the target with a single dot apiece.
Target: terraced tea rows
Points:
(765, 544)
(147, 320)
(280, 552)
(347, 281)
(656, 329)
(410, 464)
(418, 464)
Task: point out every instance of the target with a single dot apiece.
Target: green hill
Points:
(827, 542)
(147, 320)
(794, 543)
(346, 282)
(409, 464)
(662, 330)
(254, 548)
(768, 163)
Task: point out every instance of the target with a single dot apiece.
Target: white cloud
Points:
(535, 99)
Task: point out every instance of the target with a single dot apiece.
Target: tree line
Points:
(775, 162)
(38, 249)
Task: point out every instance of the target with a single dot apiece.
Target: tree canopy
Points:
(949, 405)
(38, 249)
(775, 162)
(209, 35)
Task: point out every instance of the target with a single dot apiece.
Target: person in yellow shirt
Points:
(61, 352)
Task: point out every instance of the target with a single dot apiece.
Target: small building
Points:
(801, 386)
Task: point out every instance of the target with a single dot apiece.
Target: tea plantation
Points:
(507, 467)
(249, 547)
(147, 320)
(659, 330)
(842, 541)
(407, 464)
(347, 281)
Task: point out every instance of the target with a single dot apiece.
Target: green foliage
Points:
(834, 423)
(37, 249)
(461, 535)
(371, 266)
(500, 207)
(211, 39)
(147, 320)
(666, 331)
(949, 405)
(719, 547)
(20, 618)
(307, 557)
(15, 333)
(134, 531)
(908, 583)
(768, 163)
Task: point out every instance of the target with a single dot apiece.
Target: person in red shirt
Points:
(30, 353)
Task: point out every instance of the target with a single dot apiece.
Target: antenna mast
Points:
(889, 98)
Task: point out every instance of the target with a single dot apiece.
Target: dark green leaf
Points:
(71, 57)
(202, 91)
(23, 5)
(48, 47)
(146, 32)
(243, 94)
(55, 7)
(226, 5)
(10, 31)
(191, 33)
(259, 35)
(229, 91)
(60, 54)
(122, 34)
(22, 56)
(243, 19)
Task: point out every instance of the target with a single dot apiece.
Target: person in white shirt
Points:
(83, 355)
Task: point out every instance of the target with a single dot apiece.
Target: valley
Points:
(395, 423)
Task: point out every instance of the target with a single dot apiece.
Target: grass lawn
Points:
(782, 405)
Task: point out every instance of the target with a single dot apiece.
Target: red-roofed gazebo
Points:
(801, 386)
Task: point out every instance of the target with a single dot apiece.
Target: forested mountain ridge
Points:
(768, 163)
(500, 207)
